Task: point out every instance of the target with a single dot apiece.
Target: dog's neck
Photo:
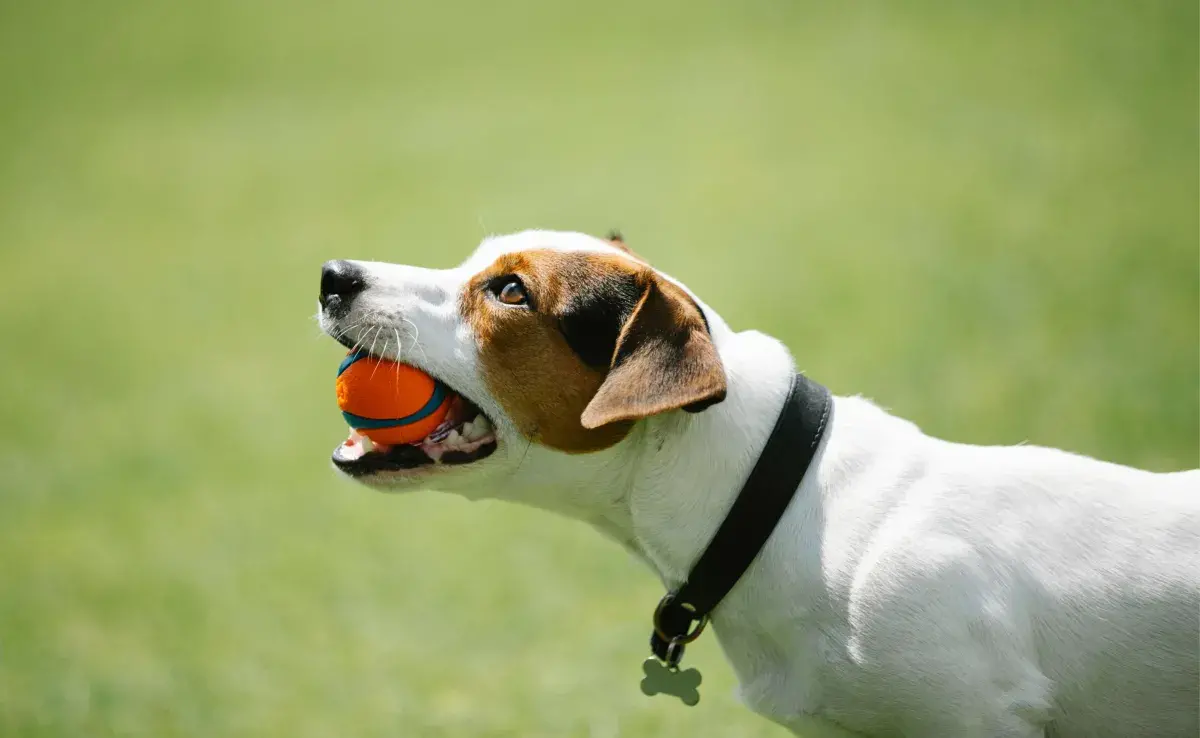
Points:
(663, 491)
(693, 467)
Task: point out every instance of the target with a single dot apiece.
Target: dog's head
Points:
(557, 343)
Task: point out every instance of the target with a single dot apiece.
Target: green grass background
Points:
(983, 215)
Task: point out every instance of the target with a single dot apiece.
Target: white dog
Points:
(913, 587)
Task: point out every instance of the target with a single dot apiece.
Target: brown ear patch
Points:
(607, 341)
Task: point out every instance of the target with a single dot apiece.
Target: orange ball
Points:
(389, 402)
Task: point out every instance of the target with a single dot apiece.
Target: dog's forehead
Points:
(495, 247)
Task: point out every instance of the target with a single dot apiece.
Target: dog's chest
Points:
(785, 638)
(791, 666)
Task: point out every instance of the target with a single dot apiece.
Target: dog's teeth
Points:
(483, 426)
(453, 439)
(468, 431)
(359, 442)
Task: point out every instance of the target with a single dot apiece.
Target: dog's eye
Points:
(510, 291)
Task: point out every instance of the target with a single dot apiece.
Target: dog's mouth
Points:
(465, 436)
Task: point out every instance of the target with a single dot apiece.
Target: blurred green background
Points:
(984, 216)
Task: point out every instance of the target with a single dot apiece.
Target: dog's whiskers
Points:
(345, 331)
(383, 350)
(371, 350)
(528, 445)
(416, 338)
(398, 358)
(357, 344)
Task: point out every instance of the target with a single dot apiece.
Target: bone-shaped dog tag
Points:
(662, 679)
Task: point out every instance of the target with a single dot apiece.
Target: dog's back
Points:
(1067, 587)
(1121, 635)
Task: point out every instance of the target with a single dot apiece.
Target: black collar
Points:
(755, 512)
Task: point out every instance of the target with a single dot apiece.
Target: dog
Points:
(913, 587)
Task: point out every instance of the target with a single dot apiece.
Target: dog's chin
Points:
(443, 477)
(457, 447)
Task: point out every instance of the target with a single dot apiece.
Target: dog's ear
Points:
(664, 359)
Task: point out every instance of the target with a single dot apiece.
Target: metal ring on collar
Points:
(668, 600)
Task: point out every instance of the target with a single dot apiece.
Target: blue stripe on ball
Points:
(350, 359)
(435, 401)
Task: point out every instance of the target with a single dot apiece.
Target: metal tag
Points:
(662, 679)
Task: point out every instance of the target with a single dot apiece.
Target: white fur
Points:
(914, 586)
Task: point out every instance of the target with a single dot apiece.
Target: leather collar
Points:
(682, 614)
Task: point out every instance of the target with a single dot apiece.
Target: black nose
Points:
(341, 281)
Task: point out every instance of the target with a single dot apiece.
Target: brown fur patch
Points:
(598, 326)
(525, 359)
